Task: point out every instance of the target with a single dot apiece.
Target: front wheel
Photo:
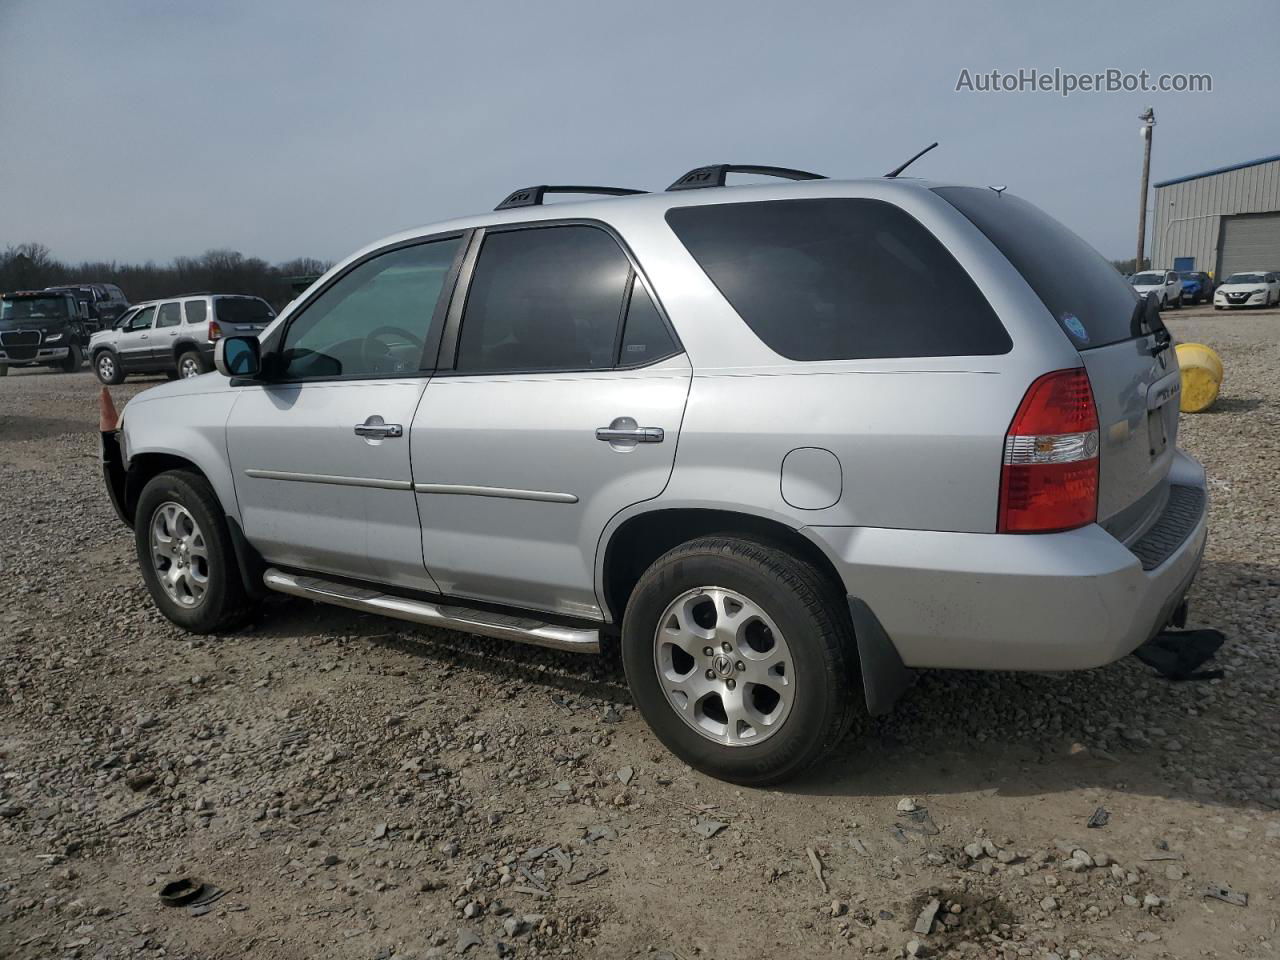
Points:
(185, 553)
(74, 360)
(740, 656)
(108, 369)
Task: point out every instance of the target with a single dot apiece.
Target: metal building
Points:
(1222, 220)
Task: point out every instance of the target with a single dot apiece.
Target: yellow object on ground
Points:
(1201, 376)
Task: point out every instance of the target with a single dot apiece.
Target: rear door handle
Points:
(375, 428)
(633, 434)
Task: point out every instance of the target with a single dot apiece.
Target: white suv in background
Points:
(176, 336)
(1251, 288)
(1165, 284)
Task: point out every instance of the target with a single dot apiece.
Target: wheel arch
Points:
(634, 541)
(143, 467)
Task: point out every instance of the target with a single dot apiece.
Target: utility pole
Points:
(1148, 124)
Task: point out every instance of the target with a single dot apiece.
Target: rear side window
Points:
(242, 310)
(545, 298)
(197, 311)
(1084, 292)
(840, 279)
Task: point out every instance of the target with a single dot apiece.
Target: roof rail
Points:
(532, 196)
(713, 176)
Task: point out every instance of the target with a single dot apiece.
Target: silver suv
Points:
(174, 336)
(782, 443)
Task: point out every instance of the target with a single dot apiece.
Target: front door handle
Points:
(630, 434)
(375, 428)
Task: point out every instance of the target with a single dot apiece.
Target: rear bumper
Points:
(1063, 601)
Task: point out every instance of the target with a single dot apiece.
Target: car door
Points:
(320, 449)
(557, 404)
(134, 344)
(164, 334)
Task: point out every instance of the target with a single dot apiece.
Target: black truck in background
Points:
(43, 328)
(105, 303)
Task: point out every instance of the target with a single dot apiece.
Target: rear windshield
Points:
(242, 310)
(1084, 292)
(840, 279)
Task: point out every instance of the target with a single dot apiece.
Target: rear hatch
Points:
(1124, 347)
(241, 316)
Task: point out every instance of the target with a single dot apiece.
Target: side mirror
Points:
(238, 356)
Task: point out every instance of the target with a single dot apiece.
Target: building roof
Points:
(1217, 170)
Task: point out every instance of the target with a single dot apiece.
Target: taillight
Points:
(1049, 479)
(215, 331)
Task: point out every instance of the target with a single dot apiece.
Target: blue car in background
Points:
(1197, 287)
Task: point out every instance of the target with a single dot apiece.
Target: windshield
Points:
(34, 308)
(1246, 278)
(1147, 279)
(242, 310)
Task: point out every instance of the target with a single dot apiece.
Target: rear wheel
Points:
(107, 367)
(191, 364)
(740, 657)
(185, 553)
(4, 369)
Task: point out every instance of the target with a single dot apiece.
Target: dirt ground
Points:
(350, 787)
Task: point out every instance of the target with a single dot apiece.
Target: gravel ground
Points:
(353, 787)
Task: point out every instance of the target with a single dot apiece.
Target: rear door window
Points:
(1084, 292)
(544, 298)
(840, 279)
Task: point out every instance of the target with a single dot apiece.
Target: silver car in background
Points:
(174, 336)
(781, 442)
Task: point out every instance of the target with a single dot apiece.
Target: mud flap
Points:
(884, 676)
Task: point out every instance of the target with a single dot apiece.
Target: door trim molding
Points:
(375, 482)
(505, 493)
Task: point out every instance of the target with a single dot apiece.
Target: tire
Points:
(182, 505)
(171, 374)
(1164, 304)
(191, 364)
(106, 365)
(813, 640)
(4, 369)
(1216, 307)
(74, 361)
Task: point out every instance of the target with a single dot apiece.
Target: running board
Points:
(501, 626)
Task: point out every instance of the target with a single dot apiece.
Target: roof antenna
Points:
(897, 170)
(1000, 189)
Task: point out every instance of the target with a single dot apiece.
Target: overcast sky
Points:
(145, 129)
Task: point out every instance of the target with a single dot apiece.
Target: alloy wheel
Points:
(189, 368)
(724, 666)
(179, 554)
